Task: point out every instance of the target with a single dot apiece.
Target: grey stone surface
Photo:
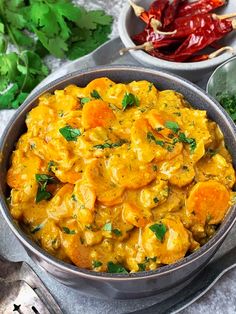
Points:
(220, 299)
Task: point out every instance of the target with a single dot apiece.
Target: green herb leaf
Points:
(117, 232)
(110, 145)
(151, 138)
(142, 267)
(95, 94)
(42, 194)
(129, 100)
(51, 164)
(173, 126)
(84, 100)
(37, 228)
(74, 197)
(59, 28)
(155, 200)
(228, 101)
(191, 141)
(150, 87)
(69, 133)
(96, 264)
(116, 268)
(68, 231)
(154, 167)
(177, 113)
(107, 226)
(159, 230)
(150, 259)
(43, 180)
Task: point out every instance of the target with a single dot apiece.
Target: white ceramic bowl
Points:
(129, 25)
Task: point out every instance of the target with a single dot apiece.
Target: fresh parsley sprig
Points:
(36, 29)
(43, 180)
(159, 230)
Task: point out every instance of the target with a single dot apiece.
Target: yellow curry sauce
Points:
(119, 177)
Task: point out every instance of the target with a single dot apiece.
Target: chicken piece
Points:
(128, 172)
(167, 240)
(106, 191)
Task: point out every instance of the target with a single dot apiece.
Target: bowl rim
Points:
(216, 70)
(144, 57)
(214, 242)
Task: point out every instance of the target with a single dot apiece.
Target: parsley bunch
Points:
(38, 28)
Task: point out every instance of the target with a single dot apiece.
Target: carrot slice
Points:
(208, 201)
(97, 113)
(100, 85)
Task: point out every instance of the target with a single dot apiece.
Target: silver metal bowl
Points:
(223, 79)
(136, 285)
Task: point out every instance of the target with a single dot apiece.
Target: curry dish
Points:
(120, 177)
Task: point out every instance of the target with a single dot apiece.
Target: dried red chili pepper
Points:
(199, 7)
(155, 11)
(183, 26)
(212, 55)
(188, 24)
(171, 12)
(152, 17)
(197, 41)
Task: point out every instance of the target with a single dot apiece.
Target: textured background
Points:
(220, 299)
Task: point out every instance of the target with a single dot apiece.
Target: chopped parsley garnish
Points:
(42, 195)
(173, 126)
(68, 231)
(150, 259)
(95, 94)
(116, 268)
(43, 180)
(170, 147)
(110, 145)
(154, 167)
(129, 100)
(117, 232)
(177, 113)
(142, 266)
(155, 200)
(84, 100)
(191, 141)
(108, 227)
(228, 101)
(151, 138)
(37, 228)
(150, 87)
(51, 164)
(96, 264)
(74, 197)
(159, 230)
(69, 133)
